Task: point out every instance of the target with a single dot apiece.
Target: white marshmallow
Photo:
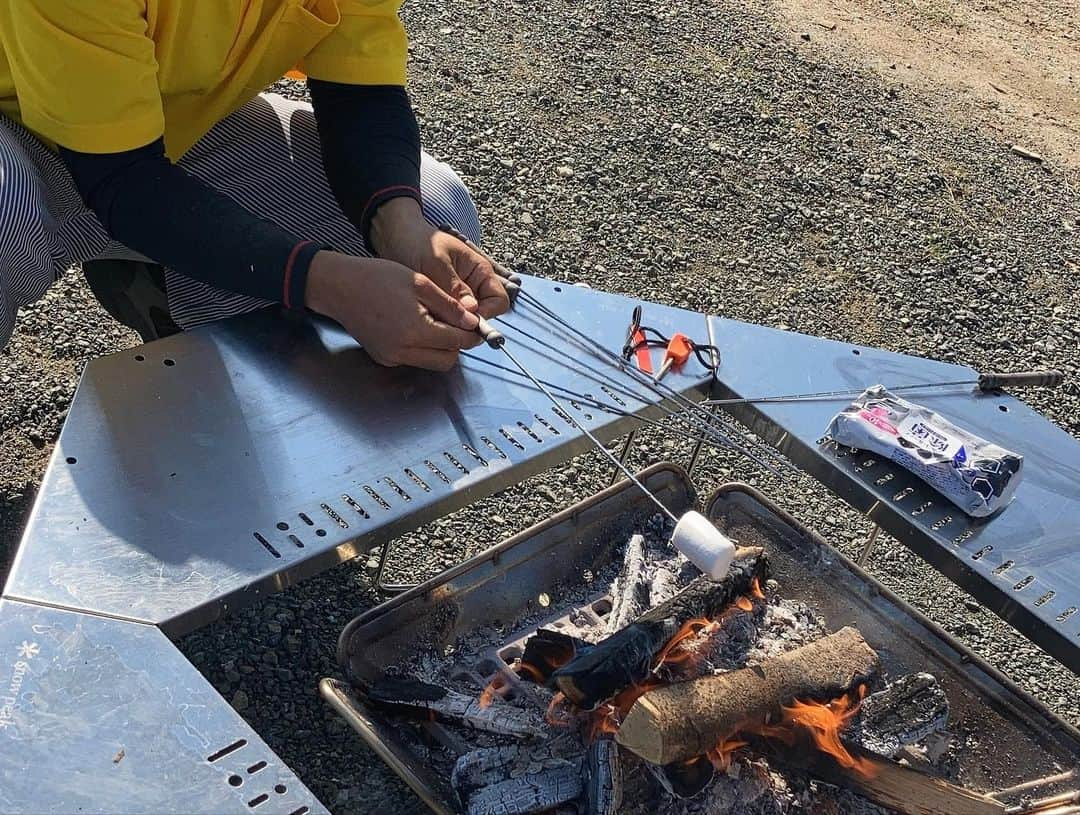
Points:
(704, 544)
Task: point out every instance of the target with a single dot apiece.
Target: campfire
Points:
(675, 694)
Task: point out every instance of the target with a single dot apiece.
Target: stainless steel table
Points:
(200, 472)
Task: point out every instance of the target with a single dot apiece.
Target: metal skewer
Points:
(985, 383)
(711, 429)
(591, 401)
(691, 413)
(496, 340)
(596, 442)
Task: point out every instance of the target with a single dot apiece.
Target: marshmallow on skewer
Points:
(703, 544)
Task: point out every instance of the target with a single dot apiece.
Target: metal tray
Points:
(504, 583)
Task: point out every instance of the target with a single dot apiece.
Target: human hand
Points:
(400, 232)
(400, 317)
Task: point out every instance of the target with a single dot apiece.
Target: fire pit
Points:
(463, 652)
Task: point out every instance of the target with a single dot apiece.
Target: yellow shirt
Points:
(103, 76)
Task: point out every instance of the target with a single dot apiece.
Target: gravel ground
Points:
(691, 155)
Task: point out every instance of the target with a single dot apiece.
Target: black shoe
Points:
(133, 292)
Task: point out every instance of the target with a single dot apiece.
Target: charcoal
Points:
(425, 700)
(531, 793)
(603, 778)
(905, 712)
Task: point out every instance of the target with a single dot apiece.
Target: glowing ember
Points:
(745, 603)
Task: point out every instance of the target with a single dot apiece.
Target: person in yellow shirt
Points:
(135, 140)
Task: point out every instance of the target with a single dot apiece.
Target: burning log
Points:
(630, 591)
(603, 778)
(907, 711)
(406, 695)
(625, 658)
(892, 785)
(531, 793)
(546, 650)
(679, 722)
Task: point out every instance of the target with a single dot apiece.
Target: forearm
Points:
(159, 210)
(370, 145)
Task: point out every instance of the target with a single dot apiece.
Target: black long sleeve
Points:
(370, 146)
(159, 210)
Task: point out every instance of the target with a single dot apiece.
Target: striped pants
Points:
(265, 156)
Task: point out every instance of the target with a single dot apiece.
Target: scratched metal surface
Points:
(100, 715)
(1022, 563)
(198, 472)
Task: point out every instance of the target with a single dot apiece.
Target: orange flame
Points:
(531, 670)
(558, 714)
(755, 590)
(721, 755)
(677, 652)
(691, 628)
(608, 716)
(498, 686)
(822, 722)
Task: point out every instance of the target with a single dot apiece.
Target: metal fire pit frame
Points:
(503, 584)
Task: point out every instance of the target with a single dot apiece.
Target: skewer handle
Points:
(492, 336)
(1021, 379)
(512, 290)
(499, 269)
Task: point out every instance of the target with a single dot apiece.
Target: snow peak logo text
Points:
(10, 689)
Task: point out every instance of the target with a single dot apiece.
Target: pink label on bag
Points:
(878, 417)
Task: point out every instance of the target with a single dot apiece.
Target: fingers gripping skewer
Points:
(700, 421)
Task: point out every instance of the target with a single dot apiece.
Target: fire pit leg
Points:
(868, 547)
(698, 445)
(616, 472)
(388, 588)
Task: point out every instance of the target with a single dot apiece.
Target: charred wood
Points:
(531, 793)
(603, 778)
(547, 649)
(486, 766)
(425, 700)
(892, 785)
(663, 586)
(682, 721)
(905, 712)
(626, 657)
(630, 591)
(482, 768)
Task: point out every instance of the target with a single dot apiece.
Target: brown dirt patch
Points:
(1011, 66)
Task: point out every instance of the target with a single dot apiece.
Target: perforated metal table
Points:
(197, 473)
